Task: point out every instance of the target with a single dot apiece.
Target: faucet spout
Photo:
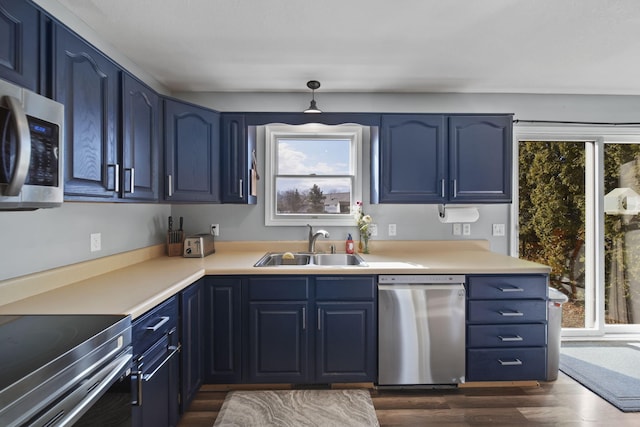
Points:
(314, 236)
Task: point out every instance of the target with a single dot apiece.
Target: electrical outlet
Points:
(373, 228)
(498, 230)
(96, 242)
(392, 229)
(466, 229)
(457, 229)
(215, 229)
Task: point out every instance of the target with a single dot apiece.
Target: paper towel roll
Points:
(455, 214)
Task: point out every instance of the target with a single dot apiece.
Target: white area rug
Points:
(298, 408)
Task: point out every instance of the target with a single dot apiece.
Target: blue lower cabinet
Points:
(510, 364)
(311, 329)
(223, 330)
(506, 327)
(278, 342)
(345, 342)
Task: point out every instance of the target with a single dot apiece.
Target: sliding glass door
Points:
(578, 211)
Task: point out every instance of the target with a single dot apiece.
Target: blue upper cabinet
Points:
(412, 159)
(239, 164)
(432, 158)
(139, 174)
(87, 83)
(480, 159)
(192, 153)
(19, 44)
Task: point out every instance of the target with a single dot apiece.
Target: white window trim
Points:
(273, 133)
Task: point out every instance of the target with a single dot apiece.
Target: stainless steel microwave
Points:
(31, 145)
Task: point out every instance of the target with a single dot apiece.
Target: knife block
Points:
(175, 240)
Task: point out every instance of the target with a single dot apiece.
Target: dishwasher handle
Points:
(420, 286)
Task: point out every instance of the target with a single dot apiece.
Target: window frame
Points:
(274, 132)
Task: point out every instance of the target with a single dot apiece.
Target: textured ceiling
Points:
(497, 46)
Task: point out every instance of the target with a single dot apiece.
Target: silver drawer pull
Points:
(514, 338)
(163, 320)
(511, 289)
(515, 362)
(510, 313)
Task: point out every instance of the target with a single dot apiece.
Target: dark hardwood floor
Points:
(563, 402)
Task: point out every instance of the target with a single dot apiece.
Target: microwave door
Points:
(15, 146)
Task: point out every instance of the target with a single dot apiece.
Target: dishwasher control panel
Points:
(421, 278)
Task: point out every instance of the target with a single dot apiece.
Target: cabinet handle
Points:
(132, 182)
(455, 188)
(510, 339)
(304, 318)
(163, 320)
(510, 313)
(442, 193)
(170, 184)
(511, 289)
(116, 177)
(514, 362)
(319, 320)
(241, 190)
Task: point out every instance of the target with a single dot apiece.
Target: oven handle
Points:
(100, 383)
(139, 377)
(23, 157)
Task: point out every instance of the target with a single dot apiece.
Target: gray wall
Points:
(48, 238)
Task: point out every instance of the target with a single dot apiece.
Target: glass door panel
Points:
(622, 234)
(552, 220)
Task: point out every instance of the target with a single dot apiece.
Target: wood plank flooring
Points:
(563, 402)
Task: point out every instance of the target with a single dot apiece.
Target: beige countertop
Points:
(136, 281)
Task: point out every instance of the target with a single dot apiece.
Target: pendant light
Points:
(313, 108)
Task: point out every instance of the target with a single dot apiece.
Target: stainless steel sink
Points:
(277, 259)
(272, 259)
(337, 259)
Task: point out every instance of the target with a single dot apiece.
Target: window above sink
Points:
(313, 174)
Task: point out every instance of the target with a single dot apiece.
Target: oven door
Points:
(82, 406)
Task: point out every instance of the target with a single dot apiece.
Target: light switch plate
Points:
(498, 230)
(392, 229)
(466, 229)
(457, 229)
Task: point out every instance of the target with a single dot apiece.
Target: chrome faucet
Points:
(313, 236)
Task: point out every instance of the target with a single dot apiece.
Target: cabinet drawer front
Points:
(507, 287)
(151, 326)
(507, 311)
(523, 335)
(345, 288)
(509, 364)
(278, 288)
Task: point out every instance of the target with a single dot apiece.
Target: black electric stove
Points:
(46, 359)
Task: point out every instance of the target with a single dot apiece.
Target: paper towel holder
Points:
(441, 210)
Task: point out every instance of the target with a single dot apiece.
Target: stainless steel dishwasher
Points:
(421, 330)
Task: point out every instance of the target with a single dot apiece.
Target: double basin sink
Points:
(281, 259)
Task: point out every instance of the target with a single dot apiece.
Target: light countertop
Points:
(134, 282)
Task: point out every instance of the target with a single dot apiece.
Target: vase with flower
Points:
(363, 221)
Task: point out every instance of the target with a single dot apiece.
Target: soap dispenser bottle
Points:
(349, 245)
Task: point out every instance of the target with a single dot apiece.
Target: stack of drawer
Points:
(506, 327)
